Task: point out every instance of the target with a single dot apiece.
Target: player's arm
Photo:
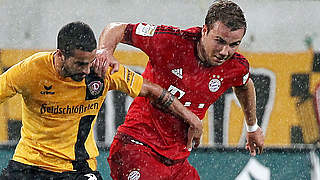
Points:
(6, 91)
(110, 37)
(247, 98)
(166, 100)
(10, 82)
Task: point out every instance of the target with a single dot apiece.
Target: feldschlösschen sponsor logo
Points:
(68, 109)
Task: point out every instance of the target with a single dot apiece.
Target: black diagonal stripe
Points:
(242, 61)
(172, 33)
(83, 132)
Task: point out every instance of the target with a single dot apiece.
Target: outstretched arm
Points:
(167, 101)
(247, 98)
(110, 37)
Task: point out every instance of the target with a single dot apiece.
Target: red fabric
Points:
(130, 159)
(171, 49)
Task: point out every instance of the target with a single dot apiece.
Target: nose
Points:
(225, 51)
(86, 70)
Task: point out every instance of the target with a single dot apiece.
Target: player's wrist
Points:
(195, 122)
(165, 99)
(104, 50)
(252, 128)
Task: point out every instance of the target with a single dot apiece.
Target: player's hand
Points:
(255, 142)
(104, 59)
(194, 134)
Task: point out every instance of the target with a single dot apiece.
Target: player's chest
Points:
(192, 83)
(52, 90)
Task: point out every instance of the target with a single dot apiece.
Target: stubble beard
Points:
(202, 55)
(66, 73)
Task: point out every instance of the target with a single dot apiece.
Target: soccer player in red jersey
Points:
(196, 65)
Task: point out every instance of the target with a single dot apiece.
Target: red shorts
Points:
(131, 160)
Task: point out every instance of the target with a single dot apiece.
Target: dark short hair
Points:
(76, 35)
(228, 12)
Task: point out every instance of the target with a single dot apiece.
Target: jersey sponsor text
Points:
(78, 109)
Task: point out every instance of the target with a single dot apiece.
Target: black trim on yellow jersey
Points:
(81, 153)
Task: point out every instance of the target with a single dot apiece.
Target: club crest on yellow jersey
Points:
(95, 87)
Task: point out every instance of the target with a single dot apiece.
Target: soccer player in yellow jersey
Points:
(61, 98)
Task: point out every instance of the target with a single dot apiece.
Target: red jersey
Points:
(175, 65)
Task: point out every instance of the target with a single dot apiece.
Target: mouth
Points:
(219, 59)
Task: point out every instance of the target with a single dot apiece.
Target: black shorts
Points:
(19, 171)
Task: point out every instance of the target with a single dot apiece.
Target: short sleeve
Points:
(127, 81)
(241, 70)
(141, 35)
(154, 40)
(12, 81)
(242, 79)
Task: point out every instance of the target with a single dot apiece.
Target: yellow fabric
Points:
(308, 121)
(52, 107)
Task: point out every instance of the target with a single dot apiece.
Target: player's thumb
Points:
(115, 68)
(189, 142)
(252, 149)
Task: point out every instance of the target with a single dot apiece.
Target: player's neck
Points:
(201, 58)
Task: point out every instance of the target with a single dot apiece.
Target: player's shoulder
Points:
(38, 57)
(193, 33)
(240, 60)
(167, 29)
(239, 56)
(36, 61)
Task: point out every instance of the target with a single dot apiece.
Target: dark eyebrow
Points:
(84, 63)
(221, 39)
(234, 43)
(224, 41)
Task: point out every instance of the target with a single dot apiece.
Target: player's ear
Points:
(60, 54)
(204, 30)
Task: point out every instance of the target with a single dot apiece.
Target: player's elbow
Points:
(150, 90)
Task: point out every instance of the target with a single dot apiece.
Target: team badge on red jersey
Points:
(95, 87)
(215, 83)
(134, 175)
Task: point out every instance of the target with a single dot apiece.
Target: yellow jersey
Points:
(58, 114)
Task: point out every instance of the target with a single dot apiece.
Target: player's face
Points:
(219, 44)
(78, 66)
